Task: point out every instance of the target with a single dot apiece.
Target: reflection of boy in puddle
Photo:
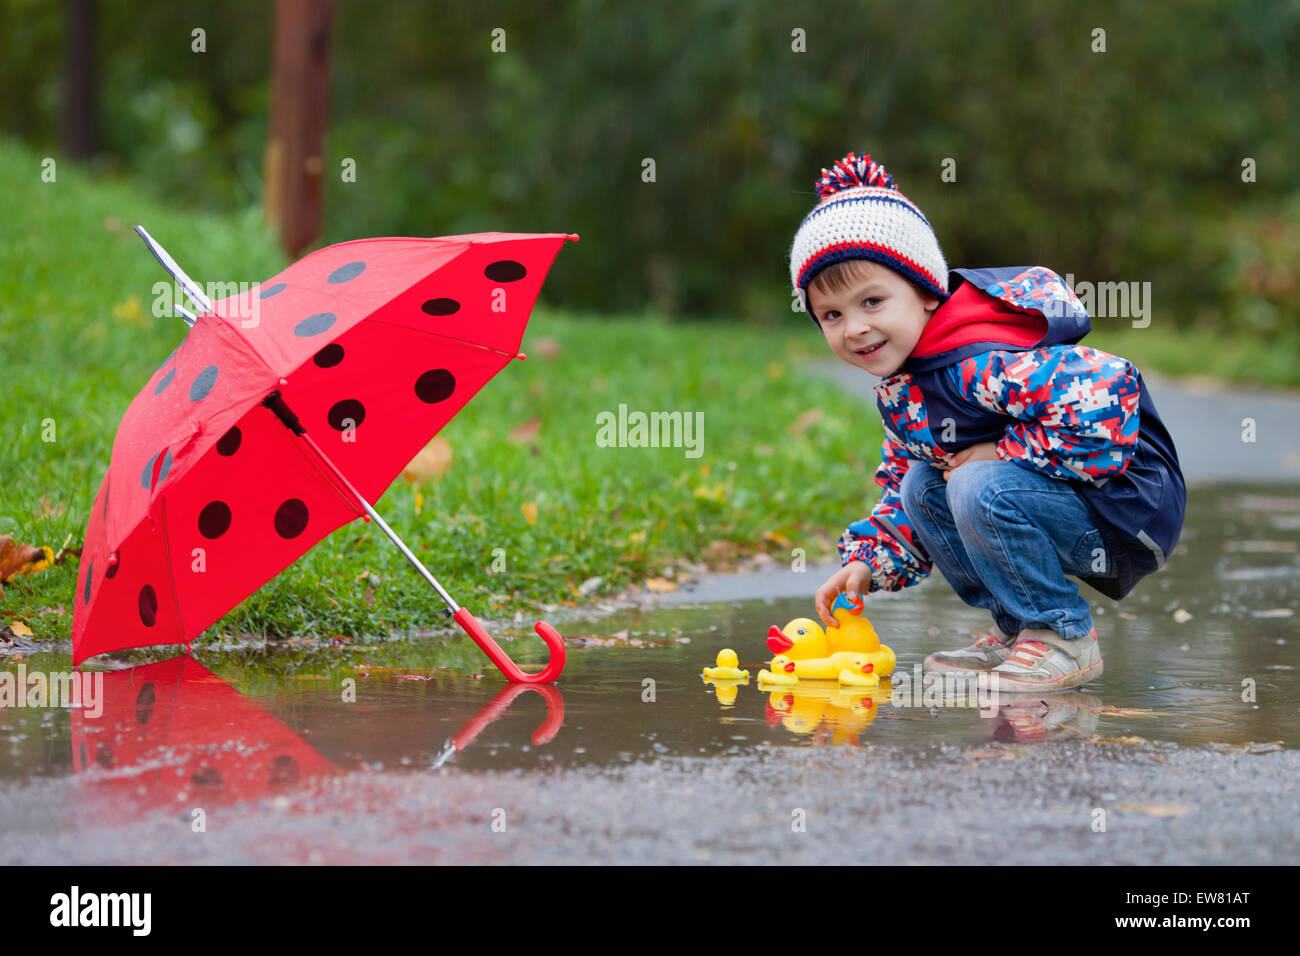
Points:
(1013, 456)
(1026, 717)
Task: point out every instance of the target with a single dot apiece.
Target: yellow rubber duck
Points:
(824, 654)
(728, 667)
(782, 672)
(860, 672)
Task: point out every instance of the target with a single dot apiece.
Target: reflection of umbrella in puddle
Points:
(497, 706)
(173, 734)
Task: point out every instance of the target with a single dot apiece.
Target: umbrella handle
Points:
(470, 625)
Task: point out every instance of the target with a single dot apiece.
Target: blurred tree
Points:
(1117, 164)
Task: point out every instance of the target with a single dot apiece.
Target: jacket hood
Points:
(1018, 307)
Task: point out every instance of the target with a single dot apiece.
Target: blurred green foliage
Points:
(1119, 165)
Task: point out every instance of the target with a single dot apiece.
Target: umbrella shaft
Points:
(276, 403)
(401, 546)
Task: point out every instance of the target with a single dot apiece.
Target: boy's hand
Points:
(853, 578)
(984, 451)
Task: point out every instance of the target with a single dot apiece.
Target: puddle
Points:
(236, 725)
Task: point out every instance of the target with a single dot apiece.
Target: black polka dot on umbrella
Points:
(346, 273)
(435, 386)
(291, 518)
(329, 356)
(203, 383)
(144, 702)
(90, 569)
(228, 443)
(348, 413)
(314, 324)
(113, 566)
(272, 290)
(505, 270)
(166, 380)
(214, 519)
(207, 777)
(441, 307)
(148, 604)
(146, 476)
(284, 769)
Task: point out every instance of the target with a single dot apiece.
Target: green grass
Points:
(76, 350)
(1196, 352)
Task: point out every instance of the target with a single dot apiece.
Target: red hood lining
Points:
(971, 315)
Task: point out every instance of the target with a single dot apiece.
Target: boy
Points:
(1012, 455)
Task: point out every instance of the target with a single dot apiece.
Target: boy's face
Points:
(883, 309)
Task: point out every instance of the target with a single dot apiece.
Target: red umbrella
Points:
(286, 410)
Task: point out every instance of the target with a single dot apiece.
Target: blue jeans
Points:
(1004, 538)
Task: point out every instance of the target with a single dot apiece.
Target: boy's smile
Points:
(874, 324)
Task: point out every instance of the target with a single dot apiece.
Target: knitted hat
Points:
(861, 215)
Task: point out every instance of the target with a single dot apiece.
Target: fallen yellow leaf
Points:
(130, 311)
(16, 559)
(806, 421)
(432, 461)
(660, 584)
(529, 508)
(526, 430)
(20, 629)
(717, 493)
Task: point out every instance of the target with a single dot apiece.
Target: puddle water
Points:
(1180, 654)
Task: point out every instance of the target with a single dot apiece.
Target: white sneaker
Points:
(988, 651)
(1043, 660)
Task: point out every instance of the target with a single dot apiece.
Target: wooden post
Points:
(80, 107)
(295, 149)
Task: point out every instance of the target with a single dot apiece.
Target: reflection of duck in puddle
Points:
(826, 711)
(1026, 718)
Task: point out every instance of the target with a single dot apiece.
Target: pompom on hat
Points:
(860, 214)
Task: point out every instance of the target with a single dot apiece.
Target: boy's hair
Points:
(839, 277)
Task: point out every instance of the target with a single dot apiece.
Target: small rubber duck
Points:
(860, 672)
(782, 672)
(728, 667)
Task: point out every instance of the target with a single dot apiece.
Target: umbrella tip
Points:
(573, 236)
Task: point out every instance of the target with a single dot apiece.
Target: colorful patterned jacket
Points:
(999, 362)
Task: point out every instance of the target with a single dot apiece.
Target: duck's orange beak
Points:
(777, 642)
